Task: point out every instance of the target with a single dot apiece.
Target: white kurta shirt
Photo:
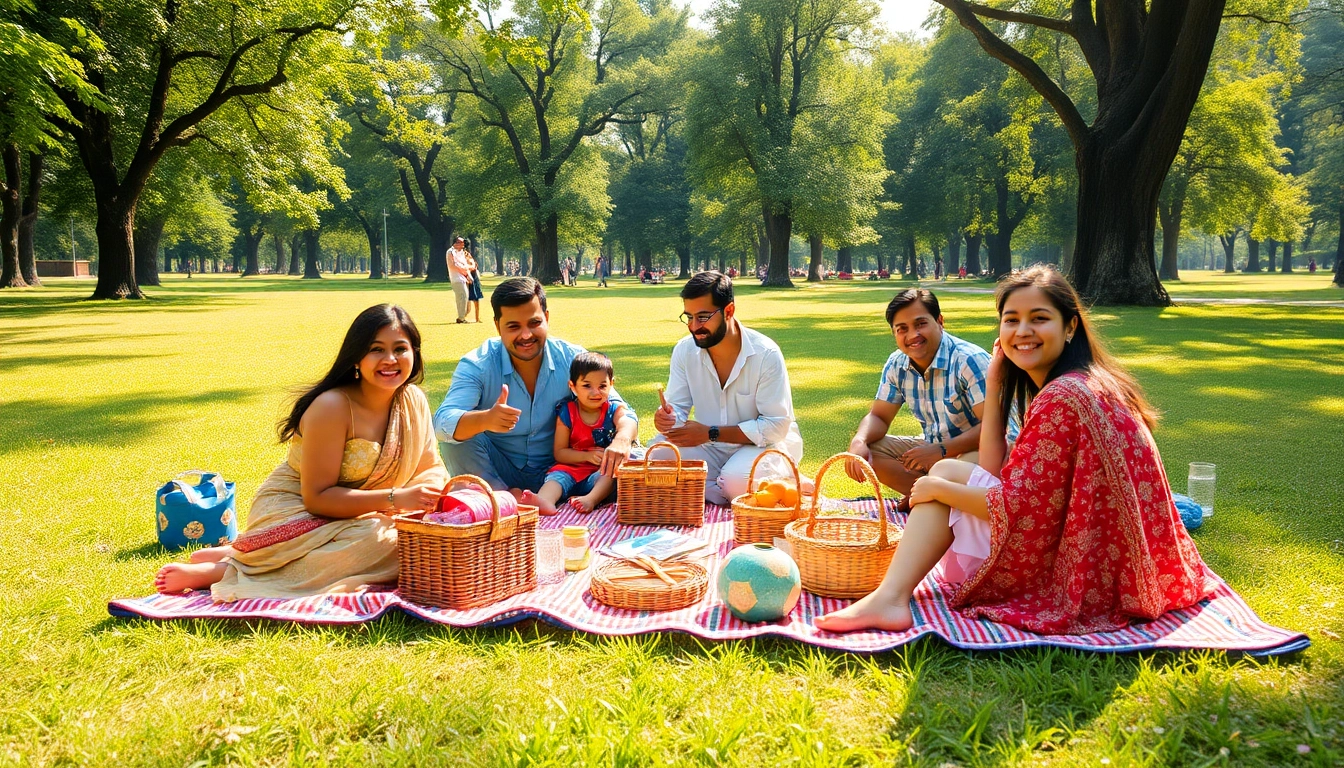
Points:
(756, 397)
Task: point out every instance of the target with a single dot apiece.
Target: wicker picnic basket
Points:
(761, 525)
(842, 556)
(662, 492)
(467, 566)
(634, 586)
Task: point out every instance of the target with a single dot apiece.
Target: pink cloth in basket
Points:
(469, 505)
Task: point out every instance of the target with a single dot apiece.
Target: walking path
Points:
(942, 287)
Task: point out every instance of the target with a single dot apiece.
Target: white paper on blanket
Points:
(660, 545)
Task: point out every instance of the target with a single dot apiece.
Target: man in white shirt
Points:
(732, 380)
(459, 273)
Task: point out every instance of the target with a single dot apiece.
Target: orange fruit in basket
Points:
(778, 489)
(765, 498)
(789, 498)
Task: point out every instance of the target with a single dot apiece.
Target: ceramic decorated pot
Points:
(759, 583)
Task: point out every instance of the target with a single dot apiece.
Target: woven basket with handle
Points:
(842, 556)
(638, 587)
(662, 492)
(467, 566)
(761, 525)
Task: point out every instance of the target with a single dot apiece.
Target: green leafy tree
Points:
(768, 86)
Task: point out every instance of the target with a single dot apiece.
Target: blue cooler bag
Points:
(203, 513)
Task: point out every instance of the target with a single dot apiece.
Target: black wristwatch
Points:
(713, 434)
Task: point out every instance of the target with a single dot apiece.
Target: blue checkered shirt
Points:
(942, 398)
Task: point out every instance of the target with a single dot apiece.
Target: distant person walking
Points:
(459, 268)
(600, 271)
(474, 294)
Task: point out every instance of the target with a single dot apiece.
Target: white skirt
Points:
(970, 536)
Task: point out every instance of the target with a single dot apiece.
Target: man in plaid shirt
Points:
(941, 377)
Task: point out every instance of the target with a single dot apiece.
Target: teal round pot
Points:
(759, 583)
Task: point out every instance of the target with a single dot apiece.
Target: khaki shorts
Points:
(892, 446)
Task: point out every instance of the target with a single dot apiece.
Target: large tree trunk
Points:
(375, 254)
(644, 258)
(116, 250)
(1287, 264)
(498, 250)
(11, 187)
(417, 260)
(910, 265)
(778, 230)
(252, 244)
(844, 259)
(546, 250)
(1252, 255)
(1171, 238)
(310, 270)
(953, 252)
(1229, 243)
(146, 240)
(279, 254)
(1273, 253)
(814, 265)
(28, 221)
(683, 256)
(1339, 251)
(973, 254)
(295, 257)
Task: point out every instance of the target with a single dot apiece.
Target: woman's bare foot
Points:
(210, 554)
(585, 503)
(176, 578)
(544, 506)
(874, 611)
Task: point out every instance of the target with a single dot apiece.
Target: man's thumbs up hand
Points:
(503, 417)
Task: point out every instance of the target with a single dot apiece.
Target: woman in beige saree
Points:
(361, 447)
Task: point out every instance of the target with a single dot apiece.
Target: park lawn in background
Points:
(103, 402)
(1297, 285)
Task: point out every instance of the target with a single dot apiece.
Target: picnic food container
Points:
(636, 585)
(840, 556)
(467, 566)
(761, 525)
(662, 492)
(203, 512)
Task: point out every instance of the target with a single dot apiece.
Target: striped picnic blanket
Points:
(1223, 622)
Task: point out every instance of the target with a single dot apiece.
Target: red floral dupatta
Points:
(1084, 534)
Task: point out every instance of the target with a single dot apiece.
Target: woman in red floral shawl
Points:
(1076, 532)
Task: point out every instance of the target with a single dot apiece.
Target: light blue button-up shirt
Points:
(476, 384)
(941, 398)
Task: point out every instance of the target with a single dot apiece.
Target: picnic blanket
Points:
(1224, 622)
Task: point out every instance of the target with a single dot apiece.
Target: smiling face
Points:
(523, 328)
(390, 359)
(918, 333)
(713, 330)
(1032, 331)
(592, 390)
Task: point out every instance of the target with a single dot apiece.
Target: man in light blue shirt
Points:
(498, 420)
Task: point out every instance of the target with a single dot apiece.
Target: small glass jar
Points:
(576, 547)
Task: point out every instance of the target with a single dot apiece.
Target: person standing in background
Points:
(459, 269)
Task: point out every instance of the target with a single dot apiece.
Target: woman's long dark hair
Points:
(357, 342)
(1085, 353)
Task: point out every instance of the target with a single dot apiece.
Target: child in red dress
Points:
(585, 425)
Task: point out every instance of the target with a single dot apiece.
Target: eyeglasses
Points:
(700, 317)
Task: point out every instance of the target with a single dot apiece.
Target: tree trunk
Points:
(953, 252)
(1339, 251)
(910, 265)
(252, 244)
(1287, 263)
(1252, 255)
(844, 259)
(11, 187)
(417, 260)
(436, 263)
(778, 229)
(684, 256)
(1229, 243)
(499, 257)
(1171, 238)
(116, 250)
(814, 265)
(146, 240)
(279, 254)
(375, 254)
(295, 249)
(973, 254)
(546, 250)
(1273, 253)
(644, 259)
(310, 271)
(28, 221)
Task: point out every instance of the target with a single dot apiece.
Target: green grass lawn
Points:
(1295, 286)
(103, 402)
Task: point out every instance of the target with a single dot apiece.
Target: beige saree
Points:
(289, 552)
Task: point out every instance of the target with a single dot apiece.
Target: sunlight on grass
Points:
(104, 402)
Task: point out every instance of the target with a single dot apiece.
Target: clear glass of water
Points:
(1200, 485)
(550, 556)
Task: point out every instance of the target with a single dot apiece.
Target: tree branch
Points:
(1018, 17)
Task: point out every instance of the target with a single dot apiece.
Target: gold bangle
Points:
(392, 497)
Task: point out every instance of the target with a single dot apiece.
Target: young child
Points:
(585, 425)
